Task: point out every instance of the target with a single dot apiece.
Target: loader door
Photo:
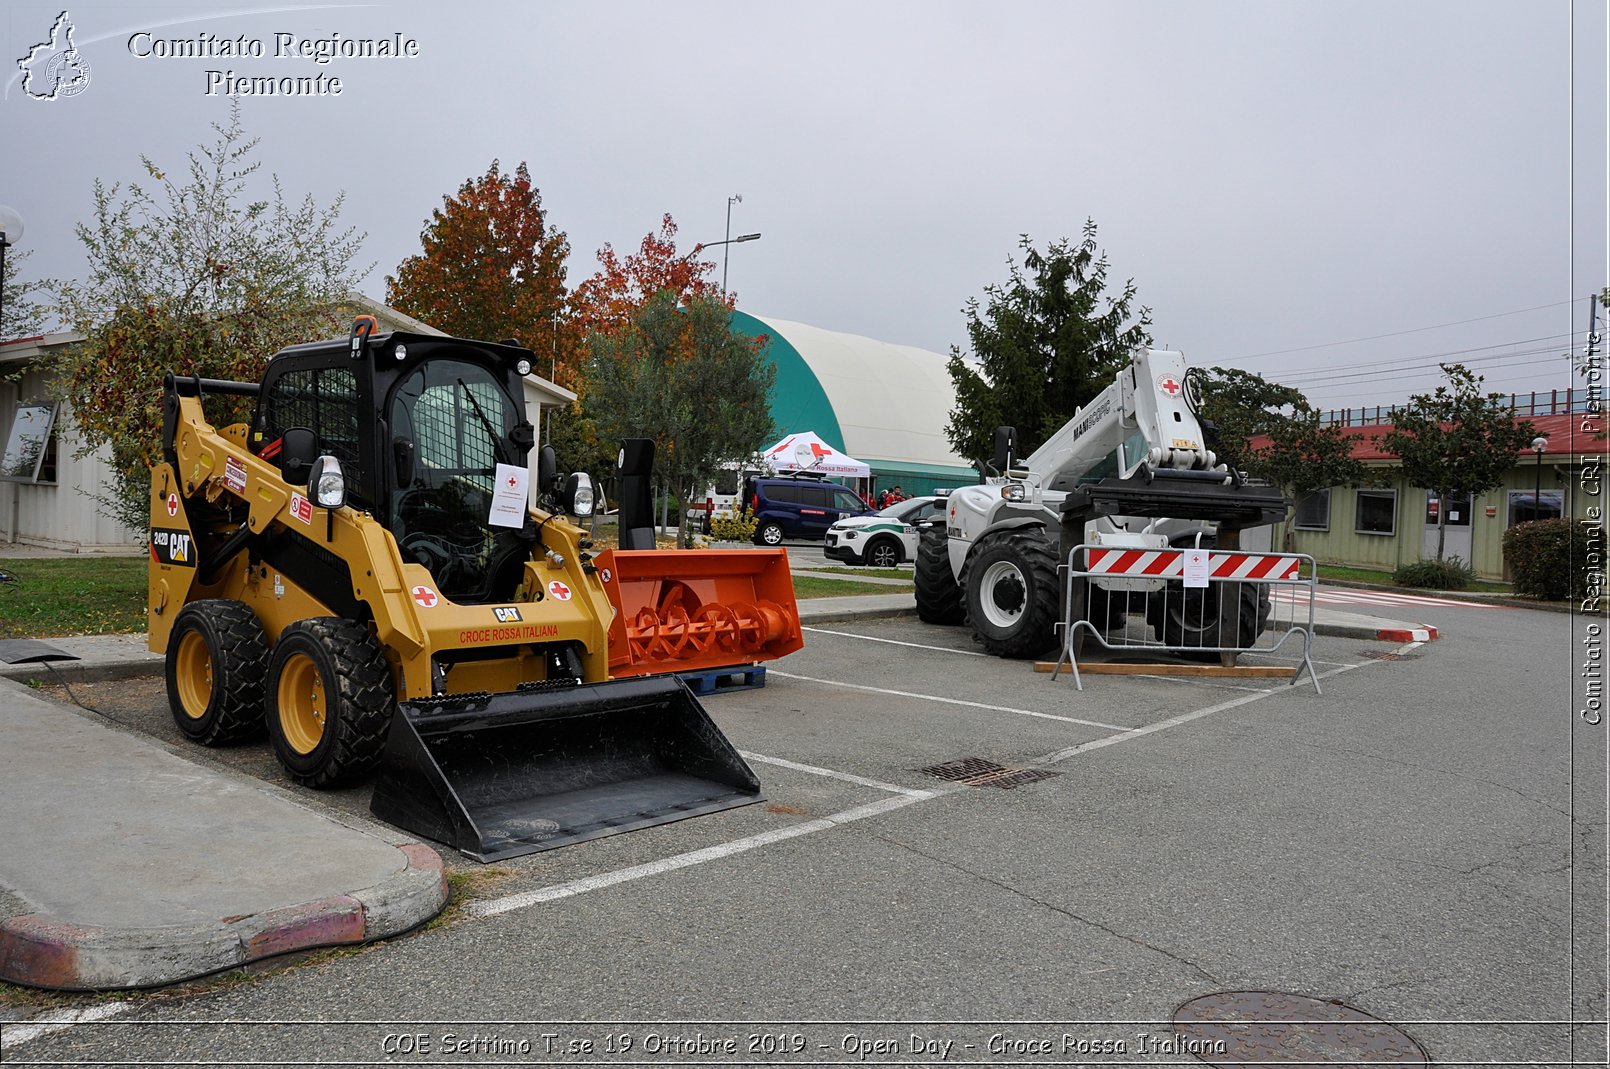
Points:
(450, 422)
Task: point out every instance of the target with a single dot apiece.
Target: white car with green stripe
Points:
(886, 537)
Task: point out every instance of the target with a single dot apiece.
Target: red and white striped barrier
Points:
(1170, 564)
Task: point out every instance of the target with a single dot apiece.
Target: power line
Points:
(1427, 360)
(1400, 333)
(1420, 369)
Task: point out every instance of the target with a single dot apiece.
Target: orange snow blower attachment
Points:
(691, 610)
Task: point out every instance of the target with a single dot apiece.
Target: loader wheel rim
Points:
(1003, 593)
(302, 704)
(193, 674)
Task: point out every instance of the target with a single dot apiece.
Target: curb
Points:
(1423, 633)
(39, 951)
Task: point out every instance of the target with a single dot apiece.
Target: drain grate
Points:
(1235, 1028)
(977, 772)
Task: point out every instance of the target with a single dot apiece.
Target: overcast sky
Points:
(1276, 177)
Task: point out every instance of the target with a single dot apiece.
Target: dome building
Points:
(884, 404)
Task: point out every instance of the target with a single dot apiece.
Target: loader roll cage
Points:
(448, 413)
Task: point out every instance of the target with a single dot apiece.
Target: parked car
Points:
(886, 537)
(799, 508)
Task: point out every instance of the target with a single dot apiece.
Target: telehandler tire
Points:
(1189, 618)
(1010, 585)
(329, 701)
(939, 596)
(217, 657)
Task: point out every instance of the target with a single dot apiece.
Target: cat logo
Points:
(179, 548)
(507, 614)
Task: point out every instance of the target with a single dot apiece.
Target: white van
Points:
(726, 493)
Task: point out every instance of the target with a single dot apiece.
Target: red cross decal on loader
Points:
(425, 596)
(1169, 385)
(173, 504)
(560, 591)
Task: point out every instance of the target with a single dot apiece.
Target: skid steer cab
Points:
(359, 570)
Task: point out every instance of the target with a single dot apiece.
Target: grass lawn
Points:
(1369, 575)
(54, 596)
(875, 573)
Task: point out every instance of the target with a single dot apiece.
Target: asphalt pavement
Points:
(124, 864)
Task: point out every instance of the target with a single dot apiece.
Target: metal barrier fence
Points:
(1226, 602)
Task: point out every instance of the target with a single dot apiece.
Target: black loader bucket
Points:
(499, 775)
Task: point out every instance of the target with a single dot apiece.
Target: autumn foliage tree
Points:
(491, 267)
(606, 302)
(192, 278)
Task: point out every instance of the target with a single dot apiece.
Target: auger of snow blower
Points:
(358, 568)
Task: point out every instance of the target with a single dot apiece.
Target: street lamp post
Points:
(1539, 444)
(736, 198)
(701, 246)
(10, 234)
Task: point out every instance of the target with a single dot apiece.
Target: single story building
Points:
(1390, 522)
(50, 497)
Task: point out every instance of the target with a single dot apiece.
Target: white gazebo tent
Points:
(805, 451)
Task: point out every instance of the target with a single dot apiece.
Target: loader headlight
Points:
(523, 366)
(329, 484)
(579, 494)
(1013, 492)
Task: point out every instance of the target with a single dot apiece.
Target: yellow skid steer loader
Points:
(358, 568)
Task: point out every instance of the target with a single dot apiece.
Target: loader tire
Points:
(329, 701)
(1010, 585)
(217, 658)
(939, 596)
(1188, 619)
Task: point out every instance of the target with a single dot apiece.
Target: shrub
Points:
(1555, 559)
(1451, 573)
(733, 527)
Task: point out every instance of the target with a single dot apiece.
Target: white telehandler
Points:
(1134, 469)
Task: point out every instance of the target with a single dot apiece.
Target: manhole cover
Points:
(1240, 1028)
(977, 772)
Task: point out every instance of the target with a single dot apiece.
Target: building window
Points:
(28, 454)
(1528, 505)
(1313, 511)
(1377, 512)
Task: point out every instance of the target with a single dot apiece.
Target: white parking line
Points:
(15, 1035)
(949, 701)
(1195, 714)
(695, 857)
(847, 777)
(896, 642)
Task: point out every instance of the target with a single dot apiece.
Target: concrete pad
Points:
(122, 865)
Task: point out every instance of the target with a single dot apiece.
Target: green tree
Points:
(491, 268)
(680, 376)
(1046, 341)
(1271, 432)
(198, 282)
(20, 315)
(1456, 440)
